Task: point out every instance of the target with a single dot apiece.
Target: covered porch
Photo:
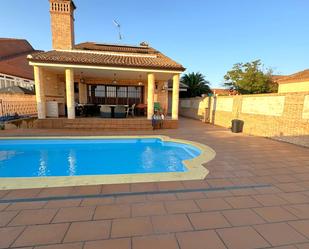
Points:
(63, 90)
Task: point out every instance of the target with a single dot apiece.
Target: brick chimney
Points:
(62, 23)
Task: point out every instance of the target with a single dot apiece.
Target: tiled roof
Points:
(13, 58)
(109, 55)
(296, 77)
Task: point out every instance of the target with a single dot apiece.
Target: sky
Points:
(206, 36)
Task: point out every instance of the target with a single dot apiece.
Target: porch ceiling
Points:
(111, 74)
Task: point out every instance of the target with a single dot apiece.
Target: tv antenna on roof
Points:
(117, 24)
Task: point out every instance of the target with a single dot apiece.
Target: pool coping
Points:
(196, 170)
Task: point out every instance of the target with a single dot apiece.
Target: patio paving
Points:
(256, 196)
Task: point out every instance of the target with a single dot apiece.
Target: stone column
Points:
(39, 92)
(82, 95)
(69, 84)
(150, 101)
(175, 101)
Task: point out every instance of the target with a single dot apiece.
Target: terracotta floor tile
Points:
(275, 214)
(87, 190)
(48, 234)
(148, 208)
(109, 244)
(97, 201)
(208, 220)
(295, 198)
(181, 206)
(171, 223)
(130, 199)
(302, 246)
(301, 226)
(155, 242)
(190, 195)
(270, 200)
(161, 197)
(216, 194)
(27, 205)
(170, 185)
(290, 187)
(212, 204)
(59, 191)
(74, 214)
(284, 247)
(242, 217)
(33, 217)
(112, 212)
(242, 238)
(63, 203)
(8, 235)
(88, 230)
(242, 202)
(22, 193)
(3, 206)
(195, 184)
(62, 246)
(115, 188)
(200, 240)
(144, 187)
(6, 217)
(131, 227)
(279, 234)
(299, 210)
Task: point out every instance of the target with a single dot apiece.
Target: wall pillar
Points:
(39, 92)
(82, 95)
(69, 84)
(175, 101)
(150, 95)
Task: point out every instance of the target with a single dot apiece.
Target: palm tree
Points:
(197, 84)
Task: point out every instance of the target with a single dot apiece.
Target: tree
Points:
(250, 78)
(197, 84)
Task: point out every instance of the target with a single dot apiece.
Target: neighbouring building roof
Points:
(223, 91)
(293, 78)
(110, 55)
(13, 57)
(17, 89)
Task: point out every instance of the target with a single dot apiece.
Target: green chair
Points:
(157, 106)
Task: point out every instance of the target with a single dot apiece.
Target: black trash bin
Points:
(237, 125)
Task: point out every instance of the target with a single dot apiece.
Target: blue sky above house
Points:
(204, 35)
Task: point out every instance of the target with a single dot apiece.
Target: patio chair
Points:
(157, 107)
(120, 111)
(131, 110)
(105, 111)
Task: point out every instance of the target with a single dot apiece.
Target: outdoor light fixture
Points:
(114, 81)
(140, 83)
(81, 79)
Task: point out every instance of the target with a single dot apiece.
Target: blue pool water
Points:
(49, 157)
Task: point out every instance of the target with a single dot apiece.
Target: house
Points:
(297, 82)
(223, 91)
(98, 73)
(14, 67)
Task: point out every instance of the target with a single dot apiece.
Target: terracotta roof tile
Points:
(111, 56)
(13, 58)
(296, 77)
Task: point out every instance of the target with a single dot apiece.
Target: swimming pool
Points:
(92, 160)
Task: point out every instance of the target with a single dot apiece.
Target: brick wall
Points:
(21, 103)
(281, 116)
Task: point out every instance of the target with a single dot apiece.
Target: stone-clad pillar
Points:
(150, 101)
(82, 95)
(175, 102)
(69, 84)
(39, 92)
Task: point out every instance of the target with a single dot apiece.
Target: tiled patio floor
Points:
(275, 215)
